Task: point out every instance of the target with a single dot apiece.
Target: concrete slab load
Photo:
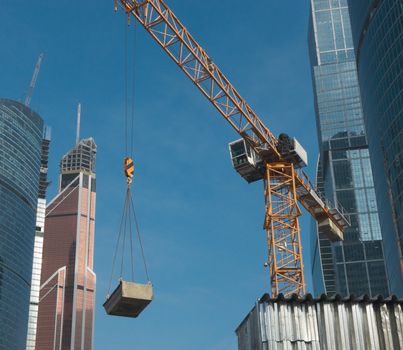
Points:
(129, 299)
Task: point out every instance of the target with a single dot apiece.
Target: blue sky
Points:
(201, 222)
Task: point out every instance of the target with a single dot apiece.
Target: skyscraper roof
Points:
(80, 159)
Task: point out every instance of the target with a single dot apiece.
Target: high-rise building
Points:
(355, 265)
(67, 295)
(21, 132)
(378, 40)
(38, 243)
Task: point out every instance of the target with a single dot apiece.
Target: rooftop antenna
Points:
(78, 123)
(33, 80)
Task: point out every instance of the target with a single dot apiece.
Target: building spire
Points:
(78, 123)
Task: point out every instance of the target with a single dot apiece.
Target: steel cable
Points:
(131, 244)
(139, 239)
(124, 231)
(126, 224)
(117, 246)
(133, 109)
(126, 87)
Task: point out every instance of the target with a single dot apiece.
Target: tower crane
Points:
(31, 88)
(258, 155)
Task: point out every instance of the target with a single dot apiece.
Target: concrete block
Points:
(129, 299)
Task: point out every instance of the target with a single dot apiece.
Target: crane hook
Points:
(128, 167)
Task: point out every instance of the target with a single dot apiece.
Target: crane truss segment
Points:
(283, 231)
(28, 98)
(163, 25)
(317, 205)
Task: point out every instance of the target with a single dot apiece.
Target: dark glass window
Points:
(377, 276)
(341, 278)
(339, 253)
(347, 200)
(373, 250)
(353, 252)
(342, 174)
(357, 278)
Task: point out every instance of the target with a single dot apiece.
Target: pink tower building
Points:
(67, 294)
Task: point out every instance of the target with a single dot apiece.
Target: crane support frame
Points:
(283, 230)
(163, 25)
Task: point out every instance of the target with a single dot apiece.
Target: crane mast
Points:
(285, 184)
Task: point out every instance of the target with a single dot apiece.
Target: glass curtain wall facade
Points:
(20, 159)
(38, 243)
(378, 40)
(355, 265)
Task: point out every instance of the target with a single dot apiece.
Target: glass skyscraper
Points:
(20, 160)
(344, 174)
(378, 40)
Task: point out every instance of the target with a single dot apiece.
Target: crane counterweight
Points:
(291, 150)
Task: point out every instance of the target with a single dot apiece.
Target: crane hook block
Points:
(128, 169)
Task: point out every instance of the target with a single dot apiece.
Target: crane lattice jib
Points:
(163, 25)
(159, 20)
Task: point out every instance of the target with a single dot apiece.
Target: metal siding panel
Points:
(347, 326)
(262, 322)
(350, 326)
(342, 333)
(376, 332)
(399, 324)
(284, 320)
(328, 326)
(322, 325)
(281, 320)
(319, 316)
(302, 323)
(313, 325)
(291, 329)
(254, 338)
(276, 327)
(296, 324)
(270, 317)
(373, 333)
(357, 323)
(386, 326)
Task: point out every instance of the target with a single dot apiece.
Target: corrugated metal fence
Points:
(326, 323)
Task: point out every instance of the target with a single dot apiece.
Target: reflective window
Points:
(380, 66)
(345, 169)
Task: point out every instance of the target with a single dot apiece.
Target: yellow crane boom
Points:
(284, 183)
